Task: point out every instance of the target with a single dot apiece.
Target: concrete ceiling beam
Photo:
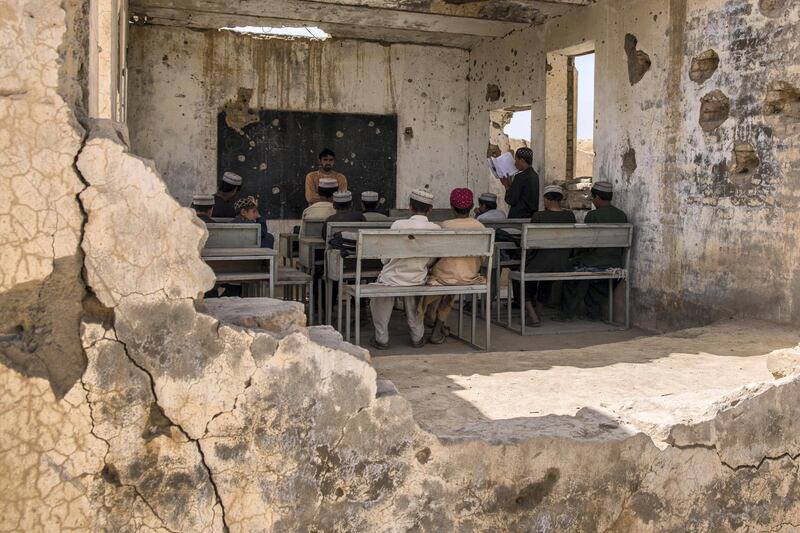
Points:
(300, 12)
(204, 20)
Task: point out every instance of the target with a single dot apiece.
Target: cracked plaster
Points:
(181, 423)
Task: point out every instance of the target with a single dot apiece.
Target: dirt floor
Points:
(590, 385)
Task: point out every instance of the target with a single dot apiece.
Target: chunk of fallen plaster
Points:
(783, 363)
(275, 316)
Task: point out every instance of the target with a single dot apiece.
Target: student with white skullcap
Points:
(487, 210)
(226, 196)
(203, 205)
(369, 203)
(591, 296)
(404, 272)
(323, 208)
(343, 204)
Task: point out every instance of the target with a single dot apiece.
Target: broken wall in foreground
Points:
(180, 421)
(697, 125)
(181, 79)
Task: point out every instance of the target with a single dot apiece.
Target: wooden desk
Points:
(242, 264)
(287, 243)
(307, 258)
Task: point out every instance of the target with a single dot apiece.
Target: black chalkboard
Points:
(275, 151)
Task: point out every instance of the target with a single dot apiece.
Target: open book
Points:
(503, 166)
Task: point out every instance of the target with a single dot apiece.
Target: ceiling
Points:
(456, 23)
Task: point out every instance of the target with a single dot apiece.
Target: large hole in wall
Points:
(773, 8)
(509, 129)
(704, 66)
(638, 60)
(744, 162)
(715, 108)
(782, 99)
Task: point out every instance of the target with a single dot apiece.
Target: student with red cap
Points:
(452, 270)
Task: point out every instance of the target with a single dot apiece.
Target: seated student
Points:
(451, 270)
(323, 208)
(370, 201)
(592, 295)
(555, 260)
(247, 212)
(343, 204)
(404, 272)
(203, 204)
(225, 197)
(487, 208)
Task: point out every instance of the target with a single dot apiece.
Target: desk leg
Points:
(460, 315)
(311, 302)
(627, 303)
(347, 319)
(611, 301)
(488, 318)
(474, 316)
(273, 272)
(497, 272)
(357, 303)
(522, 296)
(508, 307)
(328, 302)
(339, 301)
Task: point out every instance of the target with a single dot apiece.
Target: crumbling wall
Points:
(181, 79)
(701, 145)
(182, 421)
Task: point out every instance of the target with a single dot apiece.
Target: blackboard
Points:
(275, 151)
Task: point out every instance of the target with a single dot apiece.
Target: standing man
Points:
(370, 201)
(591, 296)
(522, 191)
(402, 273)
(326, 161)
(226, 196)
(522, 197)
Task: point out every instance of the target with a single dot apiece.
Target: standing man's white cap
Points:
(232, 179)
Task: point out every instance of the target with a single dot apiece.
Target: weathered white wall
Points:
(181, 79)
(709, 243)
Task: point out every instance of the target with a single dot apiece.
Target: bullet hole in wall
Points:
(409, 133)
(629, 162)
(638, 61)
(493, 151)
(703, 66)
(493, 93)
(714, 110)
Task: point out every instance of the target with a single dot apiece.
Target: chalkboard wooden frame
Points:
(274, 153)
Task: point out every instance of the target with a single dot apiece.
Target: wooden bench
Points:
(514, 225)
(388, 244)
(435, 215)
(335, 270)
(574, 236)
